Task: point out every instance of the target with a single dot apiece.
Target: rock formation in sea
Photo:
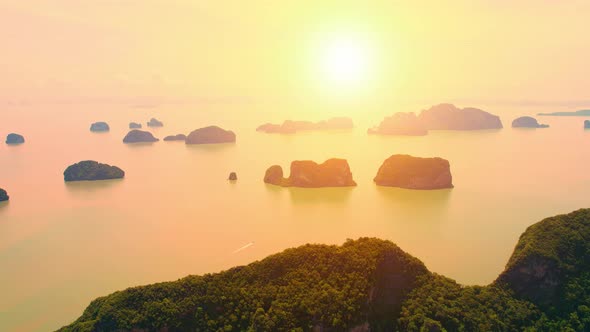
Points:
(309, 174)
(99, 126)
(3, 195)
(400, 124)
(233, 176)
(450, 117)
(14, 139)
(179, 137)
(586, 124)
(139, 136)
(155, 123)
(438, 117)
(90, 170)
(291, 127)
(527, 122)
(410, 172)
(134, 125)
(210, 135)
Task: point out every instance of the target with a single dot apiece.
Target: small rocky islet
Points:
(309, 174)
(211, 135)
(3, 195)
(90, 170)
(99, 127)
(14, 138)
(527, 122)
(134, 125)
(139, 136)
(179, 137)
(408, 172)
(155, 123)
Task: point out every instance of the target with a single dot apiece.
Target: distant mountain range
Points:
(576, 113)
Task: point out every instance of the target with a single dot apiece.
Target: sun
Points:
(344, 61)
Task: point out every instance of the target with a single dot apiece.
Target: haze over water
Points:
(174, 213)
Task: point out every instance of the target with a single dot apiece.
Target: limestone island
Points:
(291, 127)
(179, 137)
(367, 284)
(401, 123)
(576, 113)
(410, 172)
(99, 127)
(155, 123)
(139, 136)
(134, 125)
(233, 176)
(90, 170)
(527, 122)
(3, 195)
(438, 117)
(309, 174)
(586, 124)
(14, 139)
(211, 135)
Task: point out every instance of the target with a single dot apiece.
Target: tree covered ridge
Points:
(368, 285)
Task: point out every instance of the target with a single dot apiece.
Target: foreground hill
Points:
(368, 285)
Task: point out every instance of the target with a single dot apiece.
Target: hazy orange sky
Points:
(435, 50)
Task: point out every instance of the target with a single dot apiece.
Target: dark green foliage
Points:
(550, 266)
(3, 195)
(89, 170)
(298, 289)
(369, 284)
(443, 303)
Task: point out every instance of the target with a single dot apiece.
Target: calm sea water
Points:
(174, 214)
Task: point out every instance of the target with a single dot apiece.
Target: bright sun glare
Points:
(345, 62)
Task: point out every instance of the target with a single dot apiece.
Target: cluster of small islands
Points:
(401, 171)
(366, 284)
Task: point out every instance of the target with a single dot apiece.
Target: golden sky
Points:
(419, 50)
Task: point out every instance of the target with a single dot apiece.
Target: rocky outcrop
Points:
(233, 176)
(179, 137)
(291, 127)
(274, 175)
(155, 123)
(139, 136)
(400, 124)
(308, 174)
(586, 124)
(527, 122)
(450, 117)
(3, 195)
(134, 125)
(14, 139)
(99, 126)
(211, 135)
(90, 170)
(409, 172)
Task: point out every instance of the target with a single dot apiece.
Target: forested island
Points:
(368, 285)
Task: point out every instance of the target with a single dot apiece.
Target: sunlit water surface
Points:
(174, 214)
